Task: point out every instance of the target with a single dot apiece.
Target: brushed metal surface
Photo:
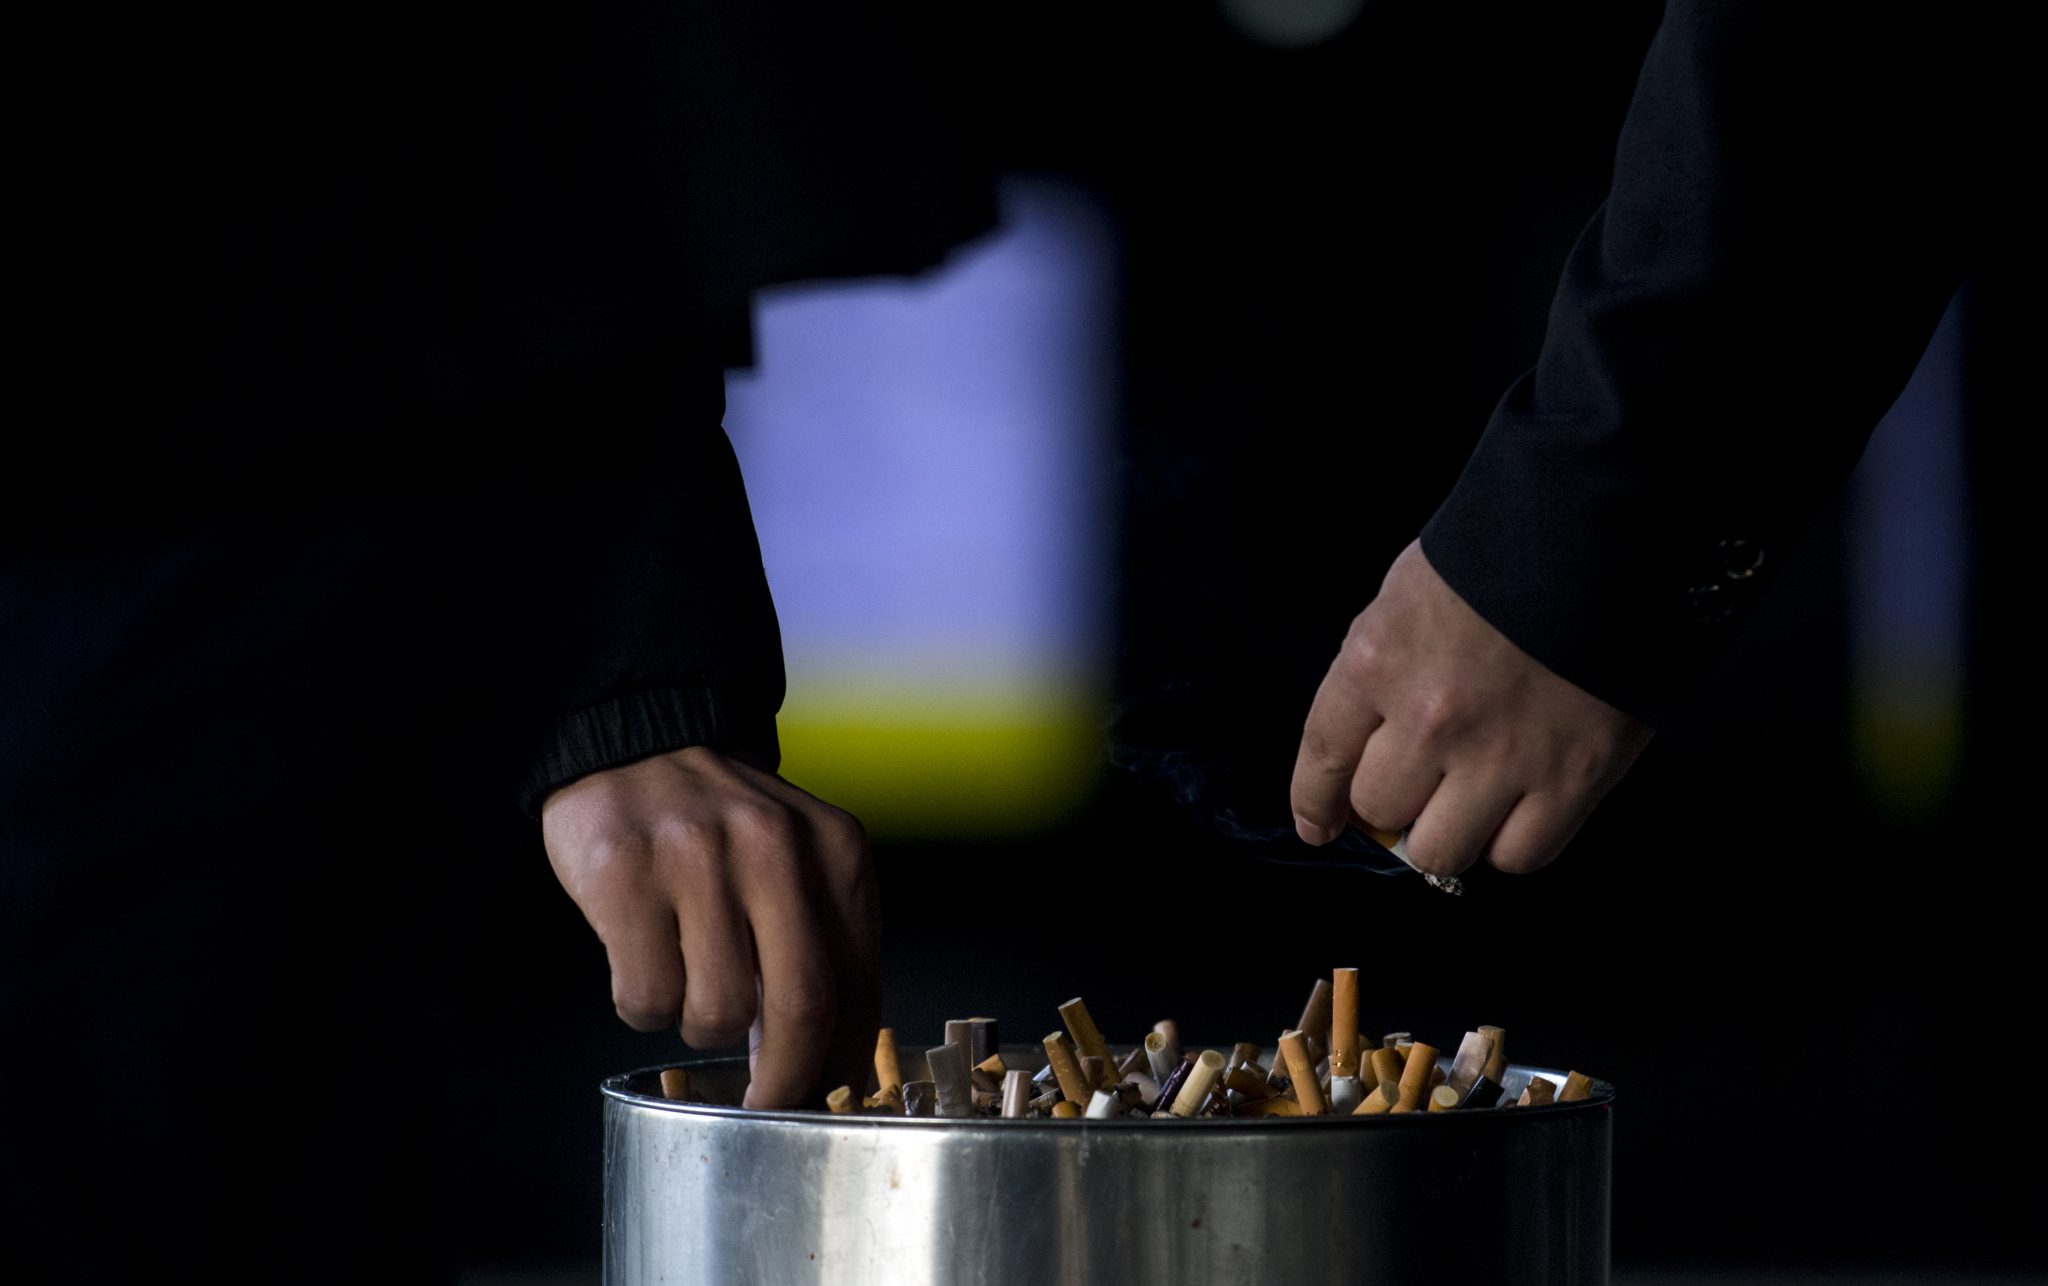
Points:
(699, 1195)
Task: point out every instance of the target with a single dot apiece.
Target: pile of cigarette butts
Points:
(1322, 1068)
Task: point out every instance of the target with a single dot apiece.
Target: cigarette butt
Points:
(1088, 1042)
(888, 1101)
(1315, 1015)
(1346, 1093)
(888, 1068)
(1247, 1082)
(1542, 1090)
(1415, 1077)
(1496, 1069)
(1096, 1072)
(986, 1100)
(983, 1040)
(1485, 1092)
(1437, 1076)
(1132, 1063)
(1169, 1030)
(1443, 1099)
(921, 1098)
(1395, 1039)
(949, 1072)
(1044, 1102)
(1379, 1101)
(1344, 1023)
(1469, 1063)
(1194, 1091)
(1302, 1072)
(1103, 1106)
(1170, 1087)
(1042, 1077)
(675, 1084)
(1148, 1089)
(1156, 1054)
(959, 1033)
(1577, 1086)
(1065, 1109)
(1016, 1094)
(1241, 1053)
(993, 1065)
(1386, 1066)
(1066, 1068)
(1271, 1107)
(840, 1101)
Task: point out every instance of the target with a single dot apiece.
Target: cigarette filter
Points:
(888, 1101)
(1415, 1077)
(675, 1084)
(1301, 1070)
(1096, 1072)
(1379, 1100)
(949, 1073)
(1103, 1105)
(1469, 1063)
(1386, 1066)
(1088, 1042)
(1066, 1109)
(840, 1101)
(1496, 1069)
(1252, 1085)
(1344, 1023)
(983, 1040)
(1271, 1107)
(1443, 1099)
(1156, 1055)
(1541, 1090)
(1016, 1094)
(1194, 1091)
(1315, 1015)
(1577, 1086)
(1066, 1066)
(1169, 1030)
(888, 1068)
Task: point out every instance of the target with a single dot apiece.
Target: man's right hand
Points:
(731, 904)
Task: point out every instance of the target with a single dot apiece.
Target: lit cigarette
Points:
(1301, 1070)
(675, 1084)
(949, 1072)
(1577, 1086)
(1443, 1099)
(1103, 1105)
(1496, 1069)
(1156, 1054)
(1194, 1091)
(1315, 1021)
(1542, 1090)
(888, 1068)
(1379, 1100)
(1469, 1063)
(1088, 1040)
(1169, 1031)
(840, 1101)
(920, 1098)
(1065, 1109)
(1066, 1067)
(1016, 1094)
(1415, 1077)
(1344, 1024)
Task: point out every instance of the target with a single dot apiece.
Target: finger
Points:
(1340, 721)
(1534, 834)
(1395, 778)
(1457, 826)
(639, 937)
(718, 955)
(797, 1009)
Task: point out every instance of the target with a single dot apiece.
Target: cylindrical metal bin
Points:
(698, 1195)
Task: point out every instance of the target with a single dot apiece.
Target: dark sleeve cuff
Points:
(651, 722)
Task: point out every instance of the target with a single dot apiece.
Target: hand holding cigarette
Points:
(730, 904)
(1432, 721)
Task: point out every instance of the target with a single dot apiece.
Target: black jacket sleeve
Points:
(684, 650)
(1790, 212)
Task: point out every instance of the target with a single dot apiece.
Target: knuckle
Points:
(803, 1002)
(643, 1007)
(1435, 712)
(764, 821)
(717, 1019)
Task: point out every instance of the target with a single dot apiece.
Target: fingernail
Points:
(1310, 832)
